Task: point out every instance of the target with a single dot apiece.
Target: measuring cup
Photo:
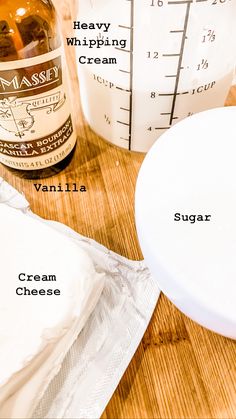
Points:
(161, 61)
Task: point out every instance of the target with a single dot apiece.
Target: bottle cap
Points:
(186, 217)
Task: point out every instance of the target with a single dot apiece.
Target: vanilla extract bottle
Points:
(37, 138)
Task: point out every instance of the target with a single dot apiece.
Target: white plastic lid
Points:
(186, 217)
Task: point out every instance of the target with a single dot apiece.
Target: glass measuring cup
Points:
(152, 63)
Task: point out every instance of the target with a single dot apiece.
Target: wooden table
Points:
(180, 369)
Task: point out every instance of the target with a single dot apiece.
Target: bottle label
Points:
(36, 129)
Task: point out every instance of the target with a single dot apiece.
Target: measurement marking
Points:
(124, 27)
(168, 113)
(171, 75)
(123, 50)
(170, 55)
(124, 90)
(131, 70)
(124, 71)
(124, 109)
(122, 138)
(181, 58)
(123, 123)
(181, 2)
(166, 94)
(162, 128)
(177, 31)
(173, 94)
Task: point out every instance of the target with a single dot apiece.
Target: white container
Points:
(174, 58)
(191, 172)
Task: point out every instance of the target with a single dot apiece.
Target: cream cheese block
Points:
(49, 287)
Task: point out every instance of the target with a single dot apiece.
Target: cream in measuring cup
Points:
(178, 59)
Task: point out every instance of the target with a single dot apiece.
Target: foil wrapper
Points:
(95, 363)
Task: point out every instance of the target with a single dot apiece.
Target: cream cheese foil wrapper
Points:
(92, 368)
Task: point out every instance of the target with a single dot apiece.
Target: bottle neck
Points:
(31, 29)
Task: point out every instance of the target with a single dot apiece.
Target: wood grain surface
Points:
(180, 369)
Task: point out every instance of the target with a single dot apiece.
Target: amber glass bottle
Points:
(37, 138)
